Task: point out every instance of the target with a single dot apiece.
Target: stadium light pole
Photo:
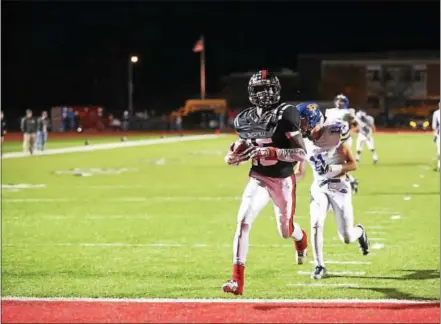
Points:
(133, 60)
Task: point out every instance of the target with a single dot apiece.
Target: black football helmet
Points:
(264, 89)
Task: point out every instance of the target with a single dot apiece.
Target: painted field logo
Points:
(20, 186)
(93, 171)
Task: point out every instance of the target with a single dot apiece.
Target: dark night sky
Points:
(76, 52)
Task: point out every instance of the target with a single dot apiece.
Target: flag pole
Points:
(203, 69)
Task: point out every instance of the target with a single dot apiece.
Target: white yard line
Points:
(370, 238)
(324, 285)
(344, 262)
(377, 246)
(215, 300)
(380, 212)
(108, 146)
(157, 245)
(165, 198)
(337, 273)
(124, 199)
(103, 217)
(131, 199)
(35, 200)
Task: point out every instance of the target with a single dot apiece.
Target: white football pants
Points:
(258, 192)
(338, 196)
(362, 140)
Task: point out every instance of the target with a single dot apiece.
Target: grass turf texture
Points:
(17, 146)
(177, 219)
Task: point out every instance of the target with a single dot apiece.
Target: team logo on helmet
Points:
(312, 107)
(311, 113)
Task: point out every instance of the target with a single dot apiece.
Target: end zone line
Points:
(107, 146)
(215, 300)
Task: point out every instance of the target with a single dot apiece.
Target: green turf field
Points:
(163, 224)
(17, 146)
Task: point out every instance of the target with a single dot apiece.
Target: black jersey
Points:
(272, 128)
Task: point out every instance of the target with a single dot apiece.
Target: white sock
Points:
(375, 156)
(297, 234)
(241, 243)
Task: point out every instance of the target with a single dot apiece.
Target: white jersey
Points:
(436, 121)
(324, 150)
(340, 114)
(365, 123)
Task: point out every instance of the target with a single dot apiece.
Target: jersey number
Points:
(318, 162)
(262, 142)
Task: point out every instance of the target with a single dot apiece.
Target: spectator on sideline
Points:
(42, 129)
(71, 118)
(178, 122)
(29, 128)
(100, 120)
(125, 121)
(65, 119)
(77, 120)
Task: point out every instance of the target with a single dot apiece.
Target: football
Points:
(239, 146)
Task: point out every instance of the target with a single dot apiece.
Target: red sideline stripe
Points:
(191, 312)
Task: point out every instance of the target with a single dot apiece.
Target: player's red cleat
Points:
(235, 286)
(301, 248)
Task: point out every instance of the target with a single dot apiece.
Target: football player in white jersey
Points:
(330, 159)
(436, 138)
(365, 128)
(341, 111)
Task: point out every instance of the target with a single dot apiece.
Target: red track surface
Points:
(216, 312)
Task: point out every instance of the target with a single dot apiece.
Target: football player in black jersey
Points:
(272, 130)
